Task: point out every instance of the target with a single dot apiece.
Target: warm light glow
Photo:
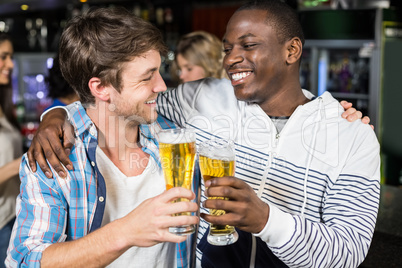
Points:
(24, 7)
(83, 1)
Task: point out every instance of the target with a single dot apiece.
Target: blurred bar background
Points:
(353, 49)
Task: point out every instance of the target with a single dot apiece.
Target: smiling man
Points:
(306, 188)
(111, 58)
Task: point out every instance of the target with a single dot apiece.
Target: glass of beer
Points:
(177, 153)
(217, 159)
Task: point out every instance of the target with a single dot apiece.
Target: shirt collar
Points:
(148, 139)
(81, 119)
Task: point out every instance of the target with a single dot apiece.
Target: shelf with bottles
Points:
(346, 72)
(341, 67)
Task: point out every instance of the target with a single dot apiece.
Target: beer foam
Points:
(222, 150)
(175, 136)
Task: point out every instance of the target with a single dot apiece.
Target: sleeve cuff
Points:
(279, 228)
(55, 107)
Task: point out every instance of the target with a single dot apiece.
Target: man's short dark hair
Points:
(282, 17)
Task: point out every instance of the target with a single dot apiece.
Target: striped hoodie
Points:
(320, 176)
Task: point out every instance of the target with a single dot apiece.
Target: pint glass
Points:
(217, 159)
(177, 153)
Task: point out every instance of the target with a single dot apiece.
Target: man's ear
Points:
(294, 49)
(98, 90)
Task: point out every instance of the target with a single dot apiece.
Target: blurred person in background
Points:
(59, 90)
(198, 55)
(10, 149)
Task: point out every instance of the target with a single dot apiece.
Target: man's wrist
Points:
(119, 241)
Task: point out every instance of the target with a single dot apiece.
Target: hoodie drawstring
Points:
(311, 153)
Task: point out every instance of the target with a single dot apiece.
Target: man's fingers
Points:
(172, 221)
(348, 112)
(35, 153)
(176, 192)
(41, 160)
(68, 137)
(55, 163)
(179, 207)
(225, 181)
(60, 155)
(54, 152)
(31, 159)
(356, 115)
(174, 238)
(225, 219)
(366, 120)
(345, 104)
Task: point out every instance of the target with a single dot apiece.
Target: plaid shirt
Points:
(57, 210)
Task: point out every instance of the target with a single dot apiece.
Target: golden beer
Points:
(178, 165)
(217, 168)
(177, 153)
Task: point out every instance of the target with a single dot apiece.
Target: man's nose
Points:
(234, 57)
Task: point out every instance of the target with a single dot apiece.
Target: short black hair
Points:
(282, 17)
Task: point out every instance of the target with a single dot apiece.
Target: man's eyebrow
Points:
(241, 37)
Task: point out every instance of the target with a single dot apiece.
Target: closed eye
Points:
(149, 78)
(150, 73)
(226, 50)
(249, 45)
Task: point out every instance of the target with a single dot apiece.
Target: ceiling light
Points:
(24, 7)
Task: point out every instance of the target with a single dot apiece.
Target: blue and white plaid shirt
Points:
(56, 210)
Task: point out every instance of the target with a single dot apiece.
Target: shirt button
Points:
(92, 131)
(93, 163)
(101, 199)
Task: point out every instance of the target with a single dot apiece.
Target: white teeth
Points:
(150, 102)
(238, 76)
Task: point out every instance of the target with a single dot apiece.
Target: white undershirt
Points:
(123, 194)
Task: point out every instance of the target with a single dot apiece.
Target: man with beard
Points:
(111, 58)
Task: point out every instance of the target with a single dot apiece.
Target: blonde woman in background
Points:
(10, 149)
(198, 55)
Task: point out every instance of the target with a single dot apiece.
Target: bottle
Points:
(345, 76)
